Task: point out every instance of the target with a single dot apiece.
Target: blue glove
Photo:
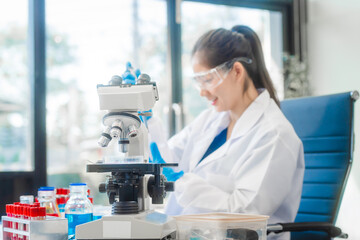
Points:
(169, 173)
(130, 75)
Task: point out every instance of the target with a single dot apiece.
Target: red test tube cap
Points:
(16, 209)
(34, 212)
(42, 211)
(27, 211)
(7, 207)
(21, 210)
(36, 204)
(11, 208)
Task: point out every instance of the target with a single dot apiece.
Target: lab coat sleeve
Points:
(261, 182)
(171, 150)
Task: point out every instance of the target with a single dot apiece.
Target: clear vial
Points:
(27, 199)
(62, 195)
(78, 209)
(46, 198)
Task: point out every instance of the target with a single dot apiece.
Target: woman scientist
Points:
(241, 156)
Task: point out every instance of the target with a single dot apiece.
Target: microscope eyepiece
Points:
(116, 80)
(143, 78)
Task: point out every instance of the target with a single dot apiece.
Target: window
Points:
(15, 144)
(87, 43)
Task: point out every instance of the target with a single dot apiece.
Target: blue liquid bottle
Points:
(78, 209)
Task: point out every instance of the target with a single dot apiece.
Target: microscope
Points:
(133, 180)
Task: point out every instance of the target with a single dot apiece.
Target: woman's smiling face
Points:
(223, 96)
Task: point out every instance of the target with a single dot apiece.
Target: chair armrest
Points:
(329, 228)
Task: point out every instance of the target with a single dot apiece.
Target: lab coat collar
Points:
(251, 115)
(220, 123)
(210, 131)
(247, 120)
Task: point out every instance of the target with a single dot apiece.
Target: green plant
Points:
(296, 80)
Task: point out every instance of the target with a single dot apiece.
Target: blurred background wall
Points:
(334, 66)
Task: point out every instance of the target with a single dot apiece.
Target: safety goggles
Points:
(215, 76)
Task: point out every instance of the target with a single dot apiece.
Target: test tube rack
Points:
(48, 229)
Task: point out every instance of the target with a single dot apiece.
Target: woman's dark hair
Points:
(221, 45)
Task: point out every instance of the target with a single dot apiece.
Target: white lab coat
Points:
(258, 170)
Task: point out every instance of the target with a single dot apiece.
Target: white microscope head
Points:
(122, 122)
(127, 97)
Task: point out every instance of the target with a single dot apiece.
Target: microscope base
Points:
(145, 225)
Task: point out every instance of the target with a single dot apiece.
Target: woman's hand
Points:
(130, 75)
(169, 173)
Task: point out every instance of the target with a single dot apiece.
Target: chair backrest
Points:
(325, 126)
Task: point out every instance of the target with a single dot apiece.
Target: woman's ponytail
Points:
(258, 71)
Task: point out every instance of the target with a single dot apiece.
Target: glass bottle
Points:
(78, 209)
(46, 198)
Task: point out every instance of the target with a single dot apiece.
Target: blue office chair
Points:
(325, 126)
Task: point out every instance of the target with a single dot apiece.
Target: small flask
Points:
(46, 198)
(78, 209)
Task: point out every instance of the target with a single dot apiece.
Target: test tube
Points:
(16, 215)
(34, 213)
(7, 207)
(9, 214)
(61, 199)
(12, 213)
(21, 216)
(42, 213)
(26, 216)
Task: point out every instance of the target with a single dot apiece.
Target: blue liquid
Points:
(61, 207)
(96, 217)
(76, 219)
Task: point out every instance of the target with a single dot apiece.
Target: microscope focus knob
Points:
(169, 186)
(111, 197)
(102, 187)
